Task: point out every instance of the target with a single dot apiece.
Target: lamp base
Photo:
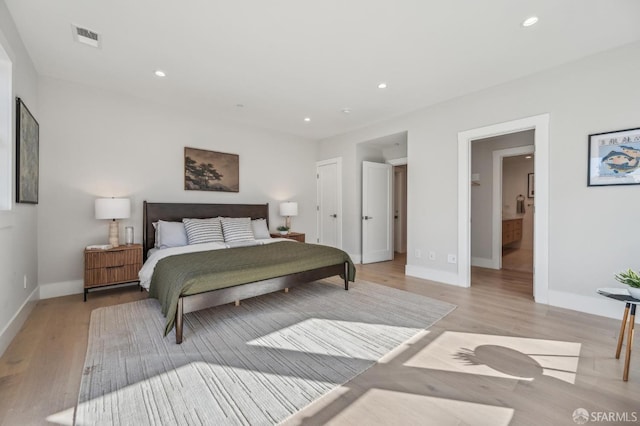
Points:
(287, 222)
(114, 237)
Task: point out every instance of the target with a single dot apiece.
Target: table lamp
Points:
(114, 209)
(288, 209)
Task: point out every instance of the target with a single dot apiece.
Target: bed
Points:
(214, 288)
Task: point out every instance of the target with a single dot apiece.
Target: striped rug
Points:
(255, 364)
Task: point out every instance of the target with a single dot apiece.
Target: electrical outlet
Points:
(452, 258)
(432, 255)
(25, 280)
(418, 253)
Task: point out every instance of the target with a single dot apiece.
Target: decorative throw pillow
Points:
(260, 230)
(201, 231)
(237, 229)
(247, 243)
(170, 234)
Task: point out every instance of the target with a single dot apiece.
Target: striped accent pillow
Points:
(237, 229)
(203, 230)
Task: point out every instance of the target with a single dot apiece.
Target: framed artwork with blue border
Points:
(614, 158)
(27, 154)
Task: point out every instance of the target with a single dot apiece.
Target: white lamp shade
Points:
(113, 208)
(289, 208)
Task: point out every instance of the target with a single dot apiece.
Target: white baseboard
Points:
(62, 288)
(483, 262)
(356, 258)
(432, 274)
(15, 323)
(596, 305)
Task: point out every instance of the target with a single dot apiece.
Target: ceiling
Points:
(285, 60)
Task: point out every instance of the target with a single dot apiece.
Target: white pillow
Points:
(259, 228)
(155, 231)
(237, 229)
(170, 234)
(201, 231)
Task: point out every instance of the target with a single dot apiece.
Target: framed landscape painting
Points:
(27, 155)
(211, 171)
(614, 158)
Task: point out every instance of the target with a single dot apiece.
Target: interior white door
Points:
(377, 212)
(329, 204)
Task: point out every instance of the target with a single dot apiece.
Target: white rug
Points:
(256, 364)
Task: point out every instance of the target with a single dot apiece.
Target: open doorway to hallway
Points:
(502, 194)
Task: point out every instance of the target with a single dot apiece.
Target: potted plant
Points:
(284, 230)
(632, 279)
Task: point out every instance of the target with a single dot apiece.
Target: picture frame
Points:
(614, 158)
(211, 171)
(27, 155)
(530, 185)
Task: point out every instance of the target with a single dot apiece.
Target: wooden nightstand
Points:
(113, 266)
(291, 235)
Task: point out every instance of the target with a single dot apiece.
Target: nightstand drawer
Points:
(111, 274)
(102, 259)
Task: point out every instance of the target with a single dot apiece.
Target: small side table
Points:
(297, 236)
(116, 265)
(631, 302)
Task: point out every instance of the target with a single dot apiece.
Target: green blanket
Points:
(193, 273)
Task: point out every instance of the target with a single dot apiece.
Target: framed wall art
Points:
(27, 154)
(614, 158)
(530, 185)
(211, 171)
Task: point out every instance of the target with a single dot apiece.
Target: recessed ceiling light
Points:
(382, 85)
(160, 73)
(532, 20)
(307, 119)
(346, 110)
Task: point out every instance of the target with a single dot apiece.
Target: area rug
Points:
(254, 364)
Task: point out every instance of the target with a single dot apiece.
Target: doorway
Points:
(517, 213)
(501, 217)
(400, 209)
(540, 125)
(386, 153)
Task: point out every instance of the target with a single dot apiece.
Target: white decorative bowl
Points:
(634, 292)
(284, 232)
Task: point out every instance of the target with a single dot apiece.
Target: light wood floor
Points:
(499, 358)
(517, 259)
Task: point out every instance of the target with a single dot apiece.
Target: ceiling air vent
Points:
(86, 36)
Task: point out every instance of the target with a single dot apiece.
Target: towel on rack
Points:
(520, 204)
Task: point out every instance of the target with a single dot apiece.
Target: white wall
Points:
(588, 96)
(102, 144)
(482, 195)
(18, 227)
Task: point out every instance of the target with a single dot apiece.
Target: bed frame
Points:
(152, 212)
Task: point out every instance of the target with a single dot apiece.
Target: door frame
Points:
(338, 162)
(540, 124)
(496, 210)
